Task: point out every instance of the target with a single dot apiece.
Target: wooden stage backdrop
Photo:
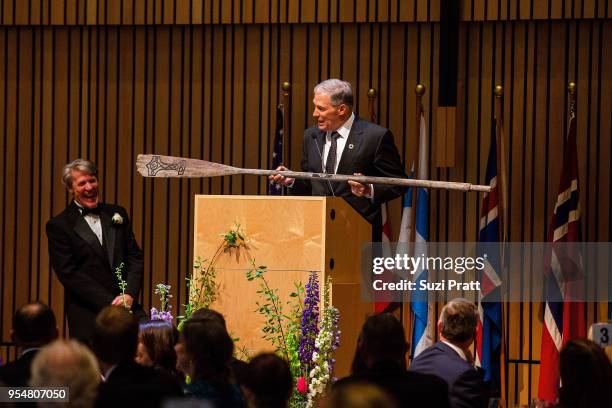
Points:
(110, 79)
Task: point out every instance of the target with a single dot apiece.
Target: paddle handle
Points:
(448, 185)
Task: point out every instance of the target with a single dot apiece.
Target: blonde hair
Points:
(67, 364)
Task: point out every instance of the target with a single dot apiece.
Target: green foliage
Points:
(164, 295)
(282, 330)
(122, 283)
(203, 289)
(234, 238)
(271, 308)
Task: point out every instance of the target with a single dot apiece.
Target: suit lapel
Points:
(108, 233)
(351, 149)
(84, 231)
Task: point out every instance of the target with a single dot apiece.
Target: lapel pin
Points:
(350, 146)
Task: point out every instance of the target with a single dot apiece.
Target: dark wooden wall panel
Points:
(119, 12)
(210, 91)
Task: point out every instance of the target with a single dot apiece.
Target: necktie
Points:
(86, 211)
(330, 164)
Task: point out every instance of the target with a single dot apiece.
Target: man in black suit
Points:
(126, 383)
(87, 242)
(34, 326)
(380, 359)
(342, 143)
(451, 358)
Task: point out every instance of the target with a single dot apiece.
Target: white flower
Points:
(117, 219)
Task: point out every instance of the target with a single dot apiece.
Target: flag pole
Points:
(419, 90)
(371, 100)
(501, 191)
(286, 87)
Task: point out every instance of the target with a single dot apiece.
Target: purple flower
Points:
(310, 319)
(163, 315)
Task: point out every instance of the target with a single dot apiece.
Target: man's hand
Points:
(118, 301)
(278, 179)
(360, 190)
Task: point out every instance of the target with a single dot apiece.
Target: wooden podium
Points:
(291, 236)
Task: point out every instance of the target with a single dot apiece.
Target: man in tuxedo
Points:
(380, 359)
(451, 358)
(34, 326)
(342, 143)
(88, 241)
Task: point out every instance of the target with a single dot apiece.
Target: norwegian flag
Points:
(489, 330)
(383, 303)
(563, 319)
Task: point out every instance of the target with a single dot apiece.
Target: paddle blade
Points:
(154, 165)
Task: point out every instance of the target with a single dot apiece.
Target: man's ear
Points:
(342, 109)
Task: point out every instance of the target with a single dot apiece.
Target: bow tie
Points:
(87, 211)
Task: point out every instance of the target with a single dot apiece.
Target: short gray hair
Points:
(340, 92)
(459, 319)
(82, 165)
(67, 363)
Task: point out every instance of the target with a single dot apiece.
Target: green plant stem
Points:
(278, 317)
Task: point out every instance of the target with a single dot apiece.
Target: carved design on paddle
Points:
(156, 165)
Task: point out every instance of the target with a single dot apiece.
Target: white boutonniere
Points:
(117, 219)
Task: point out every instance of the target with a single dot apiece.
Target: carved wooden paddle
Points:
(154, 165)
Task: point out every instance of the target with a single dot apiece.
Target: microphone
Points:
(314, 139)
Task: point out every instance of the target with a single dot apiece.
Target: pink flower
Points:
(302, 386)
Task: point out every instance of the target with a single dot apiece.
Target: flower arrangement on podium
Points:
(306, 337)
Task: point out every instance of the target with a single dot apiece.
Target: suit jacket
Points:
(86, 268)
(407, 388)
(369, 150)
(132, 385)
(17, 373)
(465, 383)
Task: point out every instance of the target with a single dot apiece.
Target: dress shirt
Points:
(93, 221)
(344, 132)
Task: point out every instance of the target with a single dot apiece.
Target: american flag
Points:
(563, 319)
(489, 330)
(277, 154)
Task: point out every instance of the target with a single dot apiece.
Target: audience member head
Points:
(67, 364)
(267, 382)
(356, 395)
(382, 338)
(586, 375)
(205, 351)
(34, 325)
(205, 313)
(608, 351)
(115, 336)
(458, 321)
(156, 341)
